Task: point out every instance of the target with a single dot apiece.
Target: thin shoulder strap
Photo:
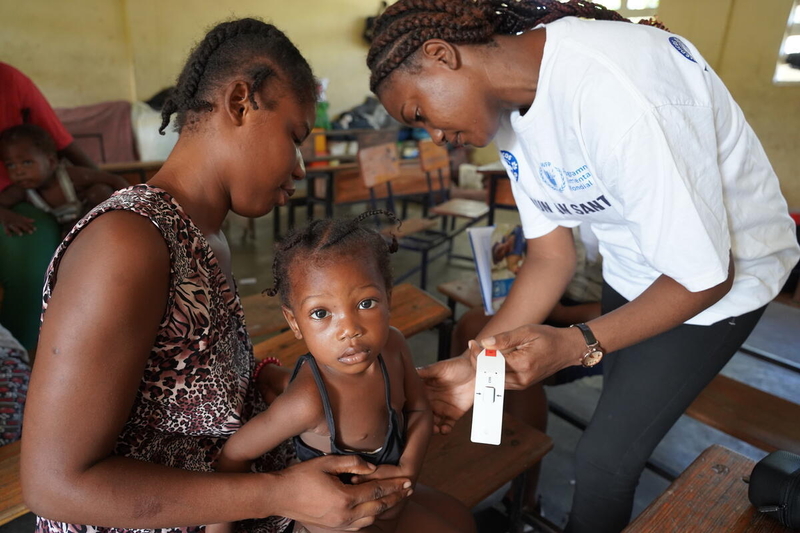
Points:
(323, 392)
(37, 201)
(387, 382)
(66, 184)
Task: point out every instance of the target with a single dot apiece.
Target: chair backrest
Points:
(379, 164)
(433, 157)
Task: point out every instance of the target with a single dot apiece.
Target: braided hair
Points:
(405, 26)
(245, 47)
(342, 236)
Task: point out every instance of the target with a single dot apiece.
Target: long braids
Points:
(247, 47)
(332, 235)
(403, 28)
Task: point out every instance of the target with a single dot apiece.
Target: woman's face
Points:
(452, 104)
(268, 155)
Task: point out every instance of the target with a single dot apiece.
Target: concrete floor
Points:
(777, 333)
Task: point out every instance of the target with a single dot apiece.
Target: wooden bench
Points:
(711, 495)
(472, 472)
(413, 310)
(469, 472)
(749, 414)
(262, 314)
(133, 171)
(11, 504)
(744, 412)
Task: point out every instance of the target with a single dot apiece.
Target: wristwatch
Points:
(594, 352)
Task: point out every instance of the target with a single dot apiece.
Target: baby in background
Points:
(67, 192)
(357, 392)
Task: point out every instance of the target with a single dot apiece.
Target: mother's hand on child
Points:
(450, 386)
(385, 472)
(534, 352)
(313, 494)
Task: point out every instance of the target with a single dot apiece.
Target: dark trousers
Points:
(646, 388)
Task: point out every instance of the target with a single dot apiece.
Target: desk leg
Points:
(492, 197)
(310, 197)
(329, 194)
(276, 222)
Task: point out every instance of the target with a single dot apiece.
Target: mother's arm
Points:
(98, 330)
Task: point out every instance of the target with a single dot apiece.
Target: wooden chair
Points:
(379, 166)
(435, 159)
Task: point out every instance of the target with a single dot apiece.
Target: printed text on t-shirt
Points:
(585, 208)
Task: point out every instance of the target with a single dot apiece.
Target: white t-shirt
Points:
(633, 133)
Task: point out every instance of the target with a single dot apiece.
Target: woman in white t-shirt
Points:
(624, 128)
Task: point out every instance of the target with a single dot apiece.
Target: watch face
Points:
(592, 358)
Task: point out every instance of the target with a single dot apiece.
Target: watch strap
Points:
(588, 336)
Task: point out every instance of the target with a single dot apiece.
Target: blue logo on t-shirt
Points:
(511, 163)
(682, 48)
(552, 176)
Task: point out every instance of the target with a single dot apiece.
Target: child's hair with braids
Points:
(406, 25)
(314, 242)
(247, 47)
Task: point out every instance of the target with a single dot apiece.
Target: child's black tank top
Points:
(393, 444)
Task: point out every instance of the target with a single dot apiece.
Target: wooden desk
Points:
(709, 496)
(471, 472)
(462, 291)
(11, 505)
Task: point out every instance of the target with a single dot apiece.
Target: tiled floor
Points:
(777, 333)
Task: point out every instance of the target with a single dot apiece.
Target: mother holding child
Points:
(144, 368)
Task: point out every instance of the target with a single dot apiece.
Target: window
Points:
(784, 72)
(635, 10)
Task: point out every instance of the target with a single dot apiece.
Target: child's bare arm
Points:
(13, 223)
(418, 414)
(11, 196)
(83, 178)
(291, 414)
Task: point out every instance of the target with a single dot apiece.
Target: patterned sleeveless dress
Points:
(196, 389)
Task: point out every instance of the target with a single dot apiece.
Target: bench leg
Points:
(423, 272)
(515, 513)
(445, 336)
(276, 223)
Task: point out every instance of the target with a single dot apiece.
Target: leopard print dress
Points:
(196, 390)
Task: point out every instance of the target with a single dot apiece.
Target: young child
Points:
(67, 192)
(357, 391)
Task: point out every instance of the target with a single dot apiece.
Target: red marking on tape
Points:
(491, 353)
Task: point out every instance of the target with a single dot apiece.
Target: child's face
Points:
(27, 165)
(340, 307)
